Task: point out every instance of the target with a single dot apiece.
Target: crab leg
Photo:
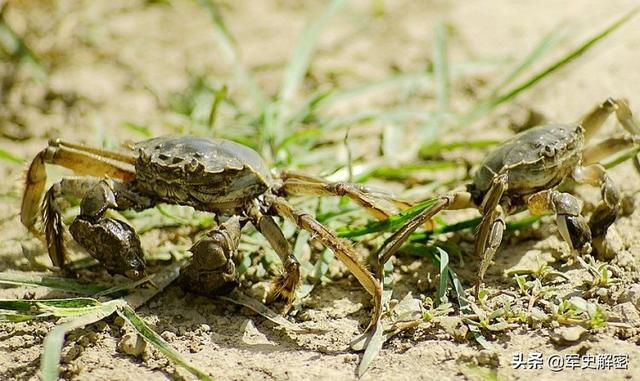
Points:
(285, 285)
(609, 147)
(113, 155)
(606, 212)
(295, 183)
(341, 249)
(489, 232)
(82, 163)
(51, 211)
(453, 201)
(571, 224)
(596, 117)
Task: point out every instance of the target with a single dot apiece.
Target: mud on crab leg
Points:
(344, 251)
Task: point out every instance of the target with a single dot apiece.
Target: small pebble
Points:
(73, 353)
(568, 335)
(132, 344)
(168, 336)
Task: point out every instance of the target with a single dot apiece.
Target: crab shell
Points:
(209, 174)
(536, 159)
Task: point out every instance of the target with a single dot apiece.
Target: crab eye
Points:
(549, 151)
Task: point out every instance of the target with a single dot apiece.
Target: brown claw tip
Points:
(283, 290)
(135, 274)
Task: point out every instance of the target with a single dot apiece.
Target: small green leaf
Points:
(29, 304)
(443, 259)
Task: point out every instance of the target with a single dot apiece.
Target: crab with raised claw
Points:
(524, 172)
(213, 175)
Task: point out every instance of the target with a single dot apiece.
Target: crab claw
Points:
(211, 271)
(579, 234)
(113, 243)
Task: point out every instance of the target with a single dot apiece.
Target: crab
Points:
(525, 171)
(212, 175)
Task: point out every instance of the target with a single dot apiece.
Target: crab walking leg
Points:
(308, 188)
(457, 200)
(212, 270)
(607, 211)
(341, 249)
(104, 153)
(285, 285)
(51, 213)
(339, 188)
(608, 147)
(489, 232)
(378, 193)
(596, 117)
(80, 162)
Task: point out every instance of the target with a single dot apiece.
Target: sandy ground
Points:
(119, 61)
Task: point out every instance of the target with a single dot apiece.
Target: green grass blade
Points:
(436, 147)
(14, 44)
(15, 318)
(391, 223)
(470, 224)
(138, 129)
(54, 341)
(401, 172)
(466, 309)
(373, 347)
(610, 163)
(441, 67)
(558, 64)
(297, 68)
(8, 156)
(30, 304)
(127, 313)
(227, 45)
(548, 42)
(68, 311)
(443, 261)
(71, 285)
(219, 95)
